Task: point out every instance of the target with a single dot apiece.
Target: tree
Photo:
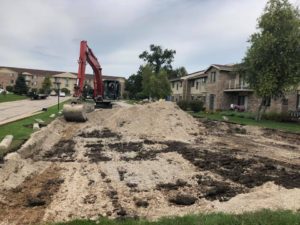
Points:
(134, 84)
(155, 85)
(20, 87)
(179, 72)
(272, 62)
(158, 58)
(46, 85)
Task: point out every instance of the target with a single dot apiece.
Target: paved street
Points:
(10, 111)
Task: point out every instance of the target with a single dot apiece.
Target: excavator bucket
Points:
(75, 112)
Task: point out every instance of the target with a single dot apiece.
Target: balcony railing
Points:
(236, 84)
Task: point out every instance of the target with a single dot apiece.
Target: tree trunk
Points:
(259, 111)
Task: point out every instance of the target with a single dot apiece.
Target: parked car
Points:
(53, 93)
(62, 94)
(1, 90)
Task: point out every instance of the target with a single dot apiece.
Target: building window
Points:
(213, 77)
(197, 84)
(176, 86)
(173, 83)
(267, 101)
(12, 81)
(241, 100)
(285, 101)
(192, 97)
(67, 82)
(192, 83)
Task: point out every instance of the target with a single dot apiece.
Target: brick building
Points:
(34, 78)
(219, 86)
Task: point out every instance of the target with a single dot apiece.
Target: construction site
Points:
(147, 161)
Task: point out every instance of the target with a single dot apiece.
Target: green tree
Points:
(272, 62)
(133, 84)
(179, 72)
(46, 85)
(20, 86)
(155, 85)
(158, 58)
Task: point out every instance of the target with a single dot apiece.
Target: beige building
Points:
(34, 78)
(219, 86)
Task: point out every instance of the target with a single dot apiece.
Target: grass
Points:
(264, 217)
(11, 97)
(248, 120)
(22, 129)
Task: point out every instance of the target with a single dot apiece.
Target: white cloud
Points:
(46, 34)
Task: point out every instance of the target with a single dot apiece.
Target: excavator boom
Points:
(77, 111)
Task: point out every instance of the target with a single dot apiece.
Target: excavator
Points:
(104, 91)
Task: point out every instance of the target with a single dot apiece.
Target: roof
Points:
(197, 74)
(194, 75)
(26, 73)
(66, 75)
(227, 67)
(6, 70)
(39, 72)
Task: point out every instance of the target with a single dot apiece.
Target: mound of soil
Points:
(147, 161)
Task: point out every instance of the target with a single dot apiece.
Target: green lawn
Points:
(291, 127)
(264, 217)
(11, 97)
(22, 129)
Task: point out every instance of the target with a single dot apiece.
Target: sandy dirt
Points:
(148, 161)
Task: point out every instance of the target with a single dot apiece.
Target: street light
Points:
(58, 92)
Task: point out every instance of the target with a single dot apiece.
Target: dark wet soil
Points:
(96, 153)
(242, 172)
(104, 133)
(63, 151)
(28, 201)
(183, 199)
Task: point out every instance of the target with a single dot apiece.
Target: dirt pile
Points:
(148, 161)
(160, 120)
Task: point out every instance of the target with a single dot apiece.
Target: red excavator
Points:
(104, 91)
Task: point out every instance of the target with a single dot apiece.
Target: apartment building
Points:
(219, 86)
(34, 78)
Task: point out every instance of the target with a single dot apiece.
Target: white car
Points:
(1, 90)
(62, 94)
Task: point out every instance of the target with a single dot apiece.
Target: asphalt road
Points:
(11, 111)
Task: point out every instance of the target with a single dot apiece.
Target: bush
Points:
(196, 105)
(66, 90)
(9, 88)
(279, 117)
(183, 104)
(139, 96)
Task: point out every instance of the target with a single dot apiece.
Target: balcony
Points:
(237, 85)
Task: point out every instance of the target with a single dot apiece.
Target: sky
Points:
(46, 34)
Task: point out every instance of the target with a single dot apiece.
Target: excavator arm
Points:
(77, 110)
(86, 55)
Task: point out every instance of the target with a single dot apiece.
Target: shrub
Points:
(279, 117)
(66, 90)
(140, 96)
(196, 105)
(183, 104)
(9, 88)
